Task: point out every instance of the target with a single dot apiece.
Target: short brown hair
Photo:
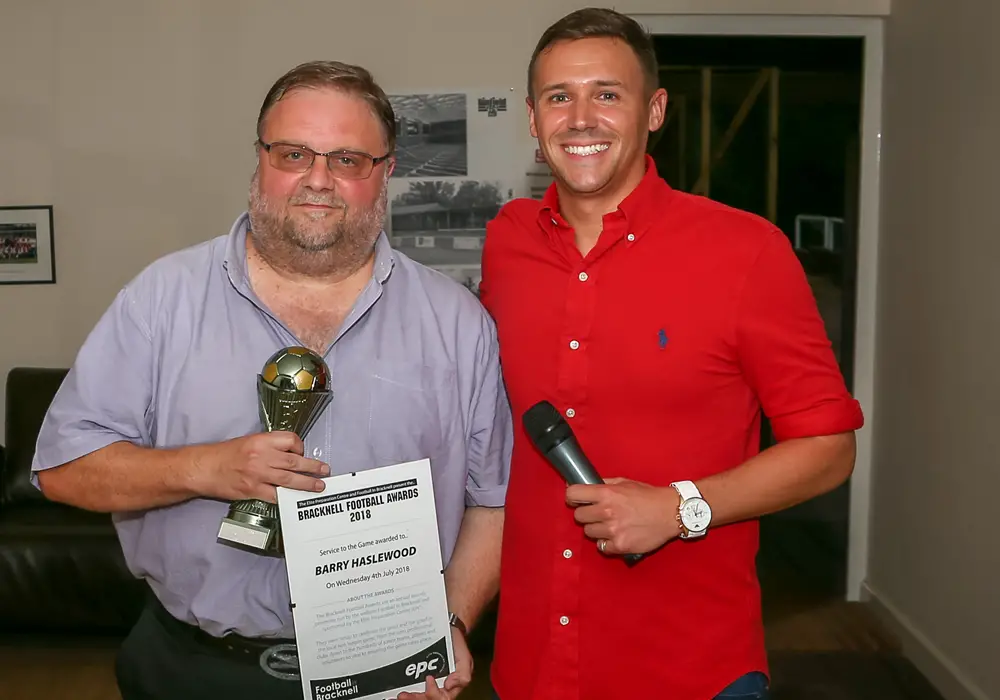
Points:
(595, 22)
(353, 80)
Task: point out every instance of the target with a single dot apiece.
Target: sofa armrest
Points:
(29, 393)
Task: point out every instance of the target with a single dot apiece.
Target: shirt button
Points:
(631, 236)
(583, 276)
(570, 413)
(574, 344)
(563, 620)
(317, 453)
(567, 553)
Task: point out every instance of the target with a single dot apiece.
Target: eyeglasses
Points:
(348, 165)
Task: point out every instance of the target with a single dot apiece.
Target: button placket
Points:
(581, 296)
(560, 665)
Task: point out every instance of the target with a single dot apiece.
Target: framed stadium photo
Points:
(27, 255)
(458, 161)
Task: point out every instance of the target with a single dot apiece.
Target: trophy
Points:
(292, 392)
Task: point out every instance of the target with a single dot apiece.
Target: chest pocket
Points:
(413, 411)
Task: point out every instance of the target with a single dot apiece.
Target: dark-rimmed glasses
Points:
(295, 158)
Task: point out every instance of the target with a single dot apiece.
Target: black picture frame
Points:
(27, 244)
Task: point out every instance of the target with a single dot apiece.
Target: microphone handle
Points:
(575, 468)
(572, 464)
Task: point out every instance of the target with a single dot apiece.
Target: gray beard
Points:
(319, 248)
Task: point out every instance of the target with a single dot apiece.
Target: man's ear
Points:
(531, 116)
(657, 109)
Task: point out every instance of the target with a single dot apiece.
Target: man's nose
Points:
(582, 115)
(319, 177)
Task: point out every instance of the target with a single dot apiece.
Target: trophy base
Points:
(253, 524)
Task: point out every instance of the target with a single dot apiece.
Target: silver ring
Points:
(602, 545)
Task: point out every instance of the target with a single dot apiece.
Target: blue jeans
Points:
(753, 686)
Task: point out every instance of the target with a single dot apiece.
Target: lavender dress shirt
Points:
(415, 374)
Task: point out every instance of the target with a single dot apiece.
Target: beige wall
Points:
(935, 556)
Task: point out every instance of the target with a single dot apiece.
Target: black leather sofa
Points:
(61, 568)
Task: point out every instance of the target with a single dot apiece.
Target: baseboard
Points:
(939, 669)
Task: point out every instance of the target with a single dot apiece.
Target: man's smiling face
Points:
(592, 112)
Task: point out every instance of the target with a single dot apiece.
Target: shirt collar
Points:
(235, 260)
(640, 209)
(385, 258)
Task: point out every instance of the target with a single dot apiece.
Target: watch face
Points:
(696, 515)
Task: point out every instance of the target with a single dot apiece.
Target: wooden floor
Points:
(804, 611)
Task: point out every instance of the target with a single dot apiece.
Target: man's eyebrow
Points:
(599, 83)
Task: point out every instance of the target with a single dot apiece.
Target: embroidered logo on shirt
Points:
(662, 336)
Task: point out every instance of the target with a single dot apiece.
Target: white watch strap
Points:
(686, 489)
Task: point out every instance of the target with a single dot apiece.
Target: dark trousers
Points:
(155, 664)
(753, 686)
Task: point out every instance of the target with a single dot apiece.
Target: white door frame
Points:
(871, 30)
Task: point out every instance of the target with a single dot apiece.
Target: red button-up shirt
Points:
(660, 347)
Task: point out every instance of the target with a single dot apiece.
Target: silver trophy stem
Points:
(254, 523)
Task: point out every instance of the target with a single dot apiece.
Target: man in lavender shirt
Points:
(157, 420)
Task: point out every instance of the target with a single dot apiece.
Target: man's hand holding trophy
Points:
(292, 392)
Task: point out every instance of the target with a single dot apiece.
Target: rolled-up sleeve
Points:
(491, 436)
(785, 352)
(106, 396)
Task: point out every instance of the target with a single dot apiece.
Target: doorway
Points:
(766, 125)
(792, 108)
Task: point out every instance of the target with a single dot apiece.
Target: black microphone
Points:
(553, 437)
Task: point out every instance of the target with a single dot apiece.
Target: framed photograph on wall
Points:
(459, 160)
(27, 255)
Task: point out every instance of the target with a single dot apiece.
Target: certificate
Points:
(367, 584)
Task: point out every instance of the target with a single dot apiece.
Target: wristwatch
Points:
(694, 513)
(456, 622)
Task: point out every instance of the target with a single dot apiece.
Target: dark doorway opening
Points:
(783, 117)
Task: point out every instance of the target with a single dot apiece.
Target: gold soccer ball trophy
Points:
(292, 392)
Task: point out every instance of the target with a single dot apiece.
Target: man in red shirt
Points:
(660, 325)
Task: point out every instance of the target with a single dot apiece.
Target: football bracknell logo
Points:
(492, 105)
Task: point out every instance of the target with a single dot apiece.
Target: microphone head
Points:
(545, 426)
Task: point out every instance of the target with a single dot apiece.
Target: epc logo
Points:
(429, 667)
